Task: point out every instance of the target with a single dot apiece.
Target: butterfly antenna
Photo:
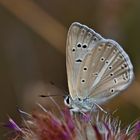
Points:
(53, 95)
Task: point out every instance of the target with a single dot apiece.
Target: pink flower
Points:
(46, 126)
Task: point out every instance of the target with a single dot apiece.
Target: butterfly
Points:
(98, 69)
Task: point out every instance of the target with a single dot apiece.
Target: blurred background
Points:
(32, 50)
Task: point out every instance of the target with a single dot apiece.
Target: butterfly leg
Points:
(100, 108)
(74, 110)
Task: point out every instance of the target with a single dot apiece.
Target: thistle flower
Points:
(46, 126)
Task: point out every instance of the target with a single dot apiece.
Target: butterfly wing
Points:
(76, 52)
(115, 72)
(96, 67)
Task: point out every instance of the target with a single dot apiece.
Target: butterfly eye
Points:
(67, 101)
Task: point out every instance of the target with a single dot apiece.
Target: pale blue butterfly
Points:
(97, 68)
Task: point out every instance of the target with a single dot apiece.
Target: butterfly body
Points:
(97, 68)
(80, 105)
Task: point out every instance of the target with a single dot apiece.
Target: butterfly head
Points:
(74, 105)
(78, 104)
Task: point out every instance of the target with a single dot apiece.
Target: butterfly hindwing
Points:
(115, 72)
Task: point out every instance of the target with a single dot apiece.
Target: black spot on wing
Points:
(83, 80)
(84, 46)
(78, 45)
(73, 50)
(85, 68)
(112, 90)
(78, 60)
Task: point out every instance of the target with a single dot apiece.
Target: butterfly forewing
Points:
(80, 41)
(96, 67)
